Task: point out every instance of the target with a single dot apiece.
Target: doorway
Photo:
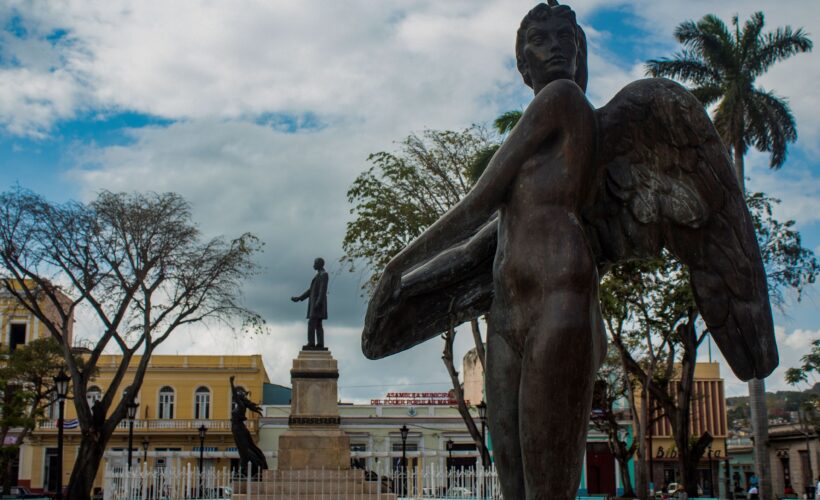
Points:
(600, 469)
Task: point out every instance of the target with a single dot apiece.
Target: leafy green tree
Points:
(403, 193)
(789, 266)
(140, 267)
(721, 65)
(397, 198)
(651, 316)
(612, 389)
(811, 365)
(26, 389)
(503, 125)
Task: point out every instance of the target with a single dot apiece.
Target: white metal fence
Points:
(430, 482)
(165, 483)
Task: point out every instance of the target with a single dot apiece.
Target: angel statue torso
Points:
(571, 191)
(247, 449)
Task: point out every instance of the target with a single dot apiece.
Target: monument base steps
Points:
(311, 484)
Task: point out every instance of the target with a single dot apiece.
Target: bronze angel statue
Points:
(247, 449)
(572, 191)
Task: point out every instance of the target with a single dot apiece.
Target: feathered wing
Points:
(667, 181)
(440, 291)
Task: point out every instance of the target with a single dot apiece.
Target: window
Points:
(17, 335)
(53, 408)
(358, 463)
(50, 470)
(202, 403)
(92, 395)
(166, 402)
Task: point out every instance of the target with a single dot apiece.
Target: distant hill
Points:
(782, 406)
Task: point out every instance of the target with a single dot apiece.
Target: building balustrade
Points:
(160, 425)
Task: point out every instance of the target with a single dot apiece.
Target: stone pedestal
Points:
(313, 439)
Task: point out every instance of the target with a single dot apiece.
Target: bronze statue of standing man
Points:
(317, 306)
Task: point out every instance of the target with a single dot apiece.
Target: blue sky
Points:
(262, 114)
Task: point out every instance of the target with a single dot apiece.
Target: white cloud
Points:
(792, 345)
(798, 339)
(371, 72)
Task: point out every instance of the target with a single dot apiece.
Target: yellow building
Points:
(708, 414)
(178, 395)
(17, 325)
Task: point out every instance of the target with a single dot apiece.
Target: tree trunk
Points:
(739, 167)
(5, 469)
(89, 458)
(447, 357)
(479, 344)
(623, 465)
(760, 434)
(757, 388)
(642, 472)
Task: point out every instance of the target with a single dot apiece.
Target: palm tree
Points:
(722, 65)
(503, 125)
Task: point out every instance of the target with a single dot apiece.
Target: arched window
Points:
(92, 395)
(166, 402)
(202, 403)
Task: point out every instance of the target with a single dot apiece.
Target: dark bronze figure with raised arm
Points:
(317, 306)
(247, 449)
(571, 191)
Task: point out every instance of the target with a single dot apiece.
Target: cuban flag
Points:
(71, 424)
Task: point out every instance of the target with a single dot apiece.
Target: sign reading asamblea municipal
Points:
(417, 399)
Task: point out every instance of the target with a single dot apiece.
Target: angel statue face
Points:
(551, 46)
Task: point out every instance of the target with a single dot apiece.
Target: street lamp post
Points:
(404, 432)
(145, 444)
(202, 431)
(449, 451)
(131, 408)
(482, 414)
(61, 386)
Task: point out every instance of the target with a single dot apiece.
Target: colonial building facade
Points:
(708, 414)
(179, 395)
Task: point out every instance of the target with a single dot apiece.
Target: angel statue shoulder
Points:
(572, 191)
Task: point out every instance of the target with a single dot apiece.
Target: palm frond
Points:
(749, 39)
(707, 94)
(506, 121)
(728, 120)
(777, 46)
(686, 66)
(770, 125)
(719, 47)
(480, 162)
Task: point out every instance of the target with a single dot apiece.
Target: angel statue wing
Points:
(664, 180)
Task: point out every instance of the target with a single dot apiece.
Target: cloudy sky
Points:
(261, 113)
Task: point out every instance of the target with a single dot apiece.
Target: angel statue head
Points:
(550, 45)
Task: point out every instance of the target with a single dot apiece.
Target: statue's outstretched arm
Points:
(540, 121)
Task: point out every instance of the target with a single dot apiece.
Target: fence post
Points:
(144, 490)
(248, 482)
